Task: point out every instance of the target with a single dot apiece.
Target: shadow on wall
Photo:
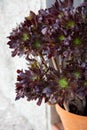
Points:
(50, 2)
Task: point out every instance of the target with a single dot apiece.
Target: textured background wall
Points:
(19, 115)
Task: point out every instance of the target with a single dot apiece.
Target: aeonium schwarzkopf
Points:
(57, 34)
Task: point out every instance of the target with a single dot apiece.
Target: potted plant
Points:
(57, 34)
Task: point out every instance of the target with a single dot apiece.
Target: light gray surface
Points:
(19, 115)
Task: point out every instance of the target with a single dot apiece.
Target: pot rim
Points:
(69, 113)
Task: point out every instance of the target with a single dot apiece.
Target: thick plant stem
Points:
(57, 63)
(54, 63)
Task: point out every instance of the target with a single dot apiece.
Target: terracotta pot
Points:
(72, 121)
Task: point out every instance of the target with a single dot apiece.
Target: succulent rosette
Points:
(57, 34)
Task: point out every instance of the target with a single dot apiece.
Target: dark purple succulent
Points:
(57, 34)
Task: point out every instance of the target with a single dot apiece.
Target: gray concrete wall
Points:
(19, 115)
(50, 2)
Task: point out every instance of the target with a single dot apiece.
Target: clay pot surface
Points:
(72, 121)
